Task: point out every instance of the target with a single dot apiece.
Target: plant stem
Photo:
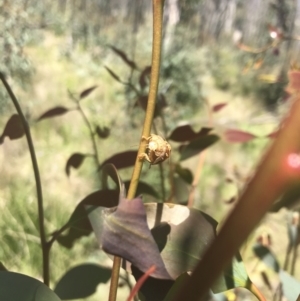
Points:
(92, 134)
(201, 160)
(154, 79)
(45, 249)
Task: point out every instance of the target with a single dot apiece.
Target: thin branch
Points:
(45, 250)
(92, 134)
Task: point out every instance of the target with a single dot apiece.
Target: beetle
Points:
(157, 151)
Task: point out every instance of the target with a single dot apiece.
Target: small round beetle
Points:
(157, 151)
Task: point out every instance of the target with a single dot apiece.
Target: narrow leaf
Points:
(13, 129)
(186, 133)
(81, 281)
(237, 136)
(57, 111)
(87, 92)
(114, 75)
(74, 161)
(122, 160)
(266, 280)
(197, 146)
(124, 57)
(218, 107)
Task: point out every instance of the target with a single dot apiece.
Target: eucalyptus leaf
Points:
(19, 287)
(235, 275)
(81, 281)
(182, 235)
(197, 146)
(126, 234)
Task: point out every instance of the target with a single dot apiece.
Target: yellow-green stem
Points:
(154, 79)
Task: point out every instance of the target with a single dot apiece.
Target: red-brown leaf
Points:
(219, 107)
(186, 133)
(87, 92)
(237, 136)
(114, 75)
(273, 134)
(124, 57)
(54, 112)
(294, 81)
(74, 161)
(13, 128)
(122, 160)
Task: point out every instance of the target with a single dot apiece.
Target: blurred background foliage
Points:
(213, 51)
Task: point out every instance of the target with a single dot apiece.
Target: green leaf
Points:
(181, 191)
(196, 146)
(2, 267)
(234, 276)
(18, 287)
(81, 281)
(180, 281)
